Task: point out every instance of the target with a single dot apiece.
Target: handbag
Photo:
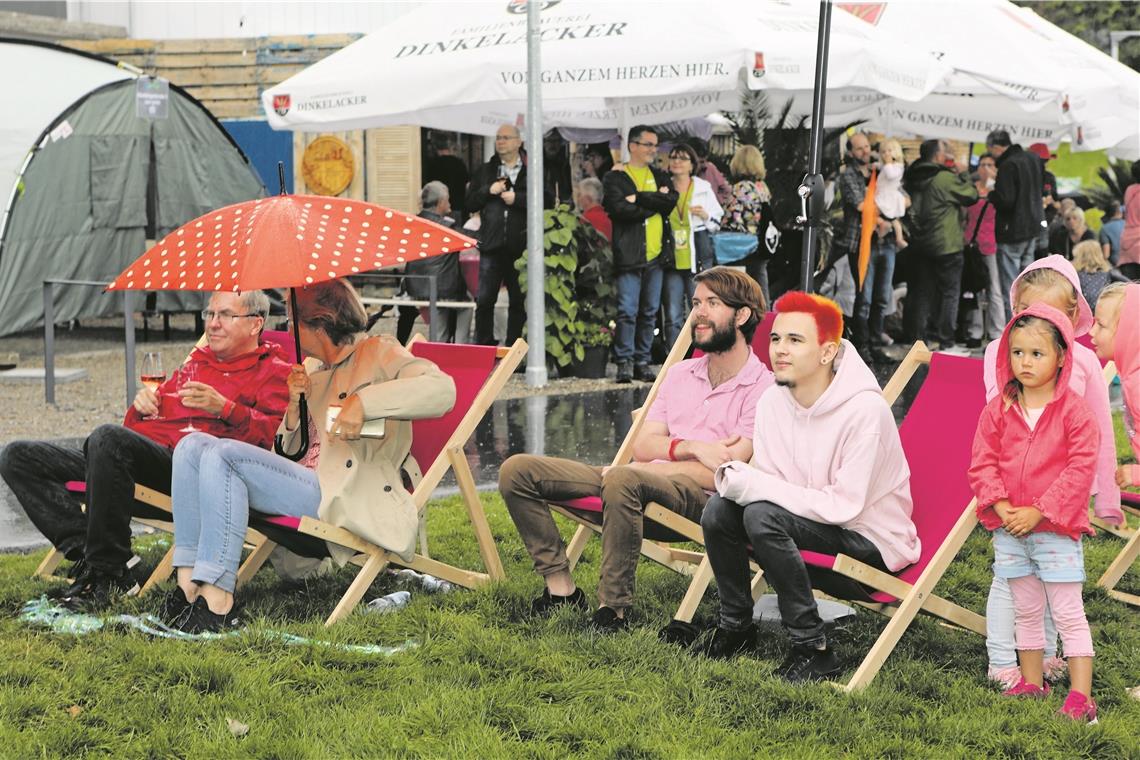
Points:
(975, 273)
(732, 247)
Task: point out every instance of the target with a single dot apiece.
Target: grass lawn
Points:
(488, 682)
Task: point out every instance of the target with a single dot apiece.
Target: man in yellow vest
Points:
(638, 198)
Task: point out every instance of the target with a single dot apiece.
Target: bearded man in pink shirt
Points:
(702, 417)
(827, 475)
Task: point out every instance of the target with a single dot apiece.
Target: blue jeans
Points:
(1013, 258)
(215, 483)
(878, 288)
(676, 297)
(639, 298)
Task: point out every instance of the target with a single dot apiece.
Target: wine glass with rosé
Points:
(152, 376)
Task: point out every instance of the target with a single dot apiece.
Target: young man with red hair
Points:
(827, 475)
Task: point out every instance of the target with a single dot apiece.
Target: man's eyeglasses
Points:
(225, 317)
(644, 144)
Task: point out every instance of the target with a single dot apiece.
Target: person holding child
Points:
(1032, 466)
(1052, 281)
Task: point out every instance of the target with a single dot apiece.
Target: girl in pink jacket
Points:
(1116, 335)
(1053, 281)
(1032, 467)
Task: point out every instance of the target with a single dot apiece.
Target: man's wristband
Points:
(673, 449)
(227, 409)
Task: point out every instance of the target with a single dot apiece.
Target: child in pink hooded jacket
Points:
(1116, 335)
(1053, 281)
(1032, 466)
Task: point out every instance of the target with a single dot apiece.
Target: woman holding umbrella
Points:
(352, 476)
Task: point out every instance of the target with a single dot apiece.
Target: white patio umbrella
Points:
(462, 66)
(1012, 70)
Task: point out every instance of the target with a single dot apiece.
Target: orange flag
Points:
(870, 220)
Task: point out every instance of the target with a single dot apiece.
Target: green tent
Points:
(97, 181)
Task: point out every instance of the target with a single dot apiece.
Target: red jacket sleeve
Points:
(1066, 502)
(985, 472)
(258, 424)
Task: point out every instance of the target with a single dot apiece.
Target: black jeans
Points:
(932, 307)
(497, 268)
(112, 461)
(776, 536)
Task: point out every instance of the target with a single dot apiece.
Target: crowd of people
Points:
(804, 456)
(955, 236)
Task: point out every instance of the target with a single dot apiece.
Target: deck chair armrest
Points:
(154, 498)
(675, 522)
(870, 576)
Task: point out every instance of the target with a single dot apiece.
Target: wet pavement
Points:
(587, 427)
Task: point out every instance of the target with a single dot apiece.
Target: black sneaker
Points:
(726, 644)
(78, 573)
(605, 620)
(680, 633)
(98, 590)
(806, 663)
(199, 619)
(548, 602)
(174, 606)
(643, 373)
(624, 372)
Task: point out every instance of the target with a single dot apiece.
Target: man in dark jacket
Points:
(638, 199)
(435, 205)
(938, 196)
(498, 193)
(1017, 200)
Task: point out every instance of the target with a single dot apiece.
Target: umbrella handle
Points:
(278, 442)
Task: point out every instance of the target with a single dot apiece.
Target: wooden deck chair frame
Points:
(158, 500)
(371, 558)
(1127, 556)
(911, 598)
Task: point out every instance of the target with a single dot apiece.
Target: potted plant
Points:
(596, 340)
(579, 292)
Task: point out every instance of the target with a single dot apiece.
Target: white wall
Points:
(207, 19)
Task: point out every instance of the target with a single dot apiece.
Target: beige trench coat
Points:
(361, 485)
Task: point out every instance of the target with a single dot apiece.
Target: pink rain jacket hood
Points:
(1050, 467)
(1085, 380)
(1126, 355)
(839, 462)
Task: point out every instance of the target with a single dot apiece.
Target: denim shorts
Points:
(1052, 558)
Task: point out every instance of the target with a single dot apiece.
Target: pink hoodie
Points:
(1087, 381)
(839, 462)
(1126, 354)
(1051, 466)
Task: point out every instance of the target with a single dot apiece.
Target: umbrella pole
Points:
(811, 191)
(302, 406)
(536, 253)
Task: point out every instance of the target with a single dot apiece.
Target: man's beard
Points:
(720, 340)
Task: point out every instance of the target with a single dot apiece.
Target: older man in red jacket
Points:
(233, 388)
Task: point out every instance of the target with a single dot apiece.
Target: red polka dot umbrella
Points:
(285, 241)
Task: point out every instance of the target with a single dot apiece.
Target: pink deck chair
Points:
(937, 435)
(150, 496)
(480, 372)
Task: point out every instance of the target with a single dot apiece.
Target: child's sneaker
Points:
(1055, 668)
(1006, 678)
(1026, 689)
(1079, 707)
